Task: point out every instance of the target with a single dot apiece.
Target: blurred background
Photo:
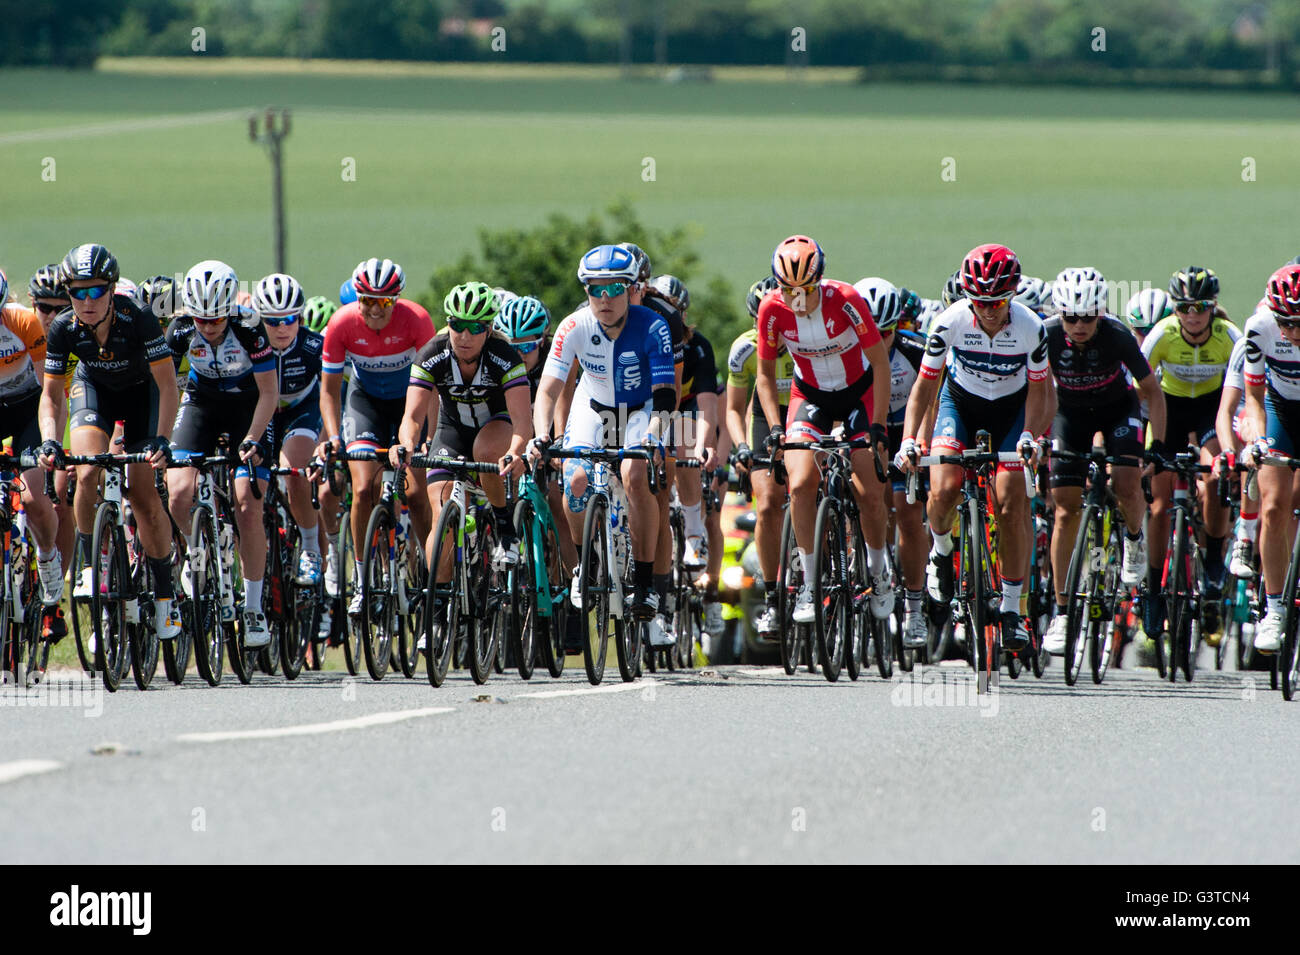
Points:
(498, 139)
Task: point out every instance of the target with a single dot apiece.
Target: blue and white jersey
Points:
(620, 371)
(904, 366)
(1270, 359)
(299, 368)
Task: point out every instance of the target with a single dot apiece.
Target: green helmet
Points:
(522, 318)
(471, 302)
(316, 313)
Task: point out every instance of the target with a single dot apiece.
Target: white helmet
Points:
(1080, 292)
(1033, 293)
(1145, 309)
(930, 307)
(211, 290)
(882, 298)
(278, 295)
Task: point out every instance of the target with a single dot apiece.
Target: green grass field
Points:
(1136, 183)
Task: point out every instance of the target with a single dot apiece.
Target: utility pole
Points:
(275, 128)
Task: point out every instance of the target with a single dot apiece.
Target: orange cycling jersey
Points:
(22, 351)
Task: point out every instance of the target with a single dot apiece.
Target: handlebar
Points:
(614, 456)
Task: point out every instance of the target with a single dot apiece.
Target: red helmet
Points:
(990, 272)
(798, 262)
(1284, 291)
(379, 278)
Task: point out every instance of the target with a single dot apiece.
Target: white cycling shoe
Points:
(882, 595)
(167, 618)
(803, 606)
(256, 634)
(1134, 567)
(1268, 638)
(1054, 639)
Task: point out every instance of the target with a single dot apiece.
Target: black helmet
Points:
(671, 288)
(89, 261)
(1194, 284)
(756, 293)
(909, 304)
(158, 292)
(45, 283)
(642, 261)
(953, 289)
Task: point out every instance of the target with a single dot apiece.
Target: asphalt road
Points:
(731, 764)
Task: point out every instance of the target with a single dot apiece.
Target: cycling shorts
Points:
(302, 420)
(18, 419)
(759, 429)
(371, 423)
(455, 440)
(813, 413)
(1190, 416)
(93, 406)
(1120, 424)
(201, 421)
(1282, 421)
(962, 416)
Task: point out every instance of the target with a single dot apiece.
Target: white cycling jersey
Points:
(615, 372)
(1270, 359)
(984, 367)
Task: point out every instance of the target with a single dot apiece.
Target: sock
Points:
(876, 562)
(942, 542)
(1011, 594)
(253, 594)
(1274, 604)
(661, 584)
(1153, 580)
(311, 540)
(1061, 608)
(1247, 527)
(356, 575)
(913, 598)
(800, 559)
(84, 542)
(1133, 537)
(694, 523)
(770, 587)
(643, 572)
(162, 576)
(45, 556)
(1214, 559)
(505, 523)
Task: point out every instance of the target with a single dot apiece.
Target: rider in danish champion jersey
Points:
(378, 336)
(124, 373)
(231, 389)
(1236, 429)
(838, 357)
(998, 381)
(1190, 350)
(1273, 402)
(623, 399)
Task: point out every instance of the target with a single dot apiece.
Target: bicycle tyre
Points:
(109, 581)
(791, 579)
(442, 604)
(831, 620)
(595, 594)
(1102, 628)
(860, 617)
(527, 594)
(352, 652)
(488, 585)
(1179, 609)
(1286, 662)
(378, 608)
(555, 626)
(145, 648)
(205, 605)
(82, 612)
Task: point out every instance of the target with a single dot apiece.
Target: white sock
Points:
(253, 594)
(876, 560)
(694, 523)
(1011, 597)
(942, 542)
(311, 540)
(45, 556)
(1246, 529)
(801, 560)
(356, 576)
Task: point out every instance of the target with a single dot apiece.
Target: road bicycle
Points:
(1182, 588)
(685, 602)
(20, 604)
(1286, 663)
(292, 609)
(540, 606)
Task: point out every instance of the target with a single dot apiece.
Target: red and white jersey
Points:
(982, 366)
(829, 344)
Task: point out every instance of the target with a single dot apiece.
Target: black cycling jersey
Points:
(700, 370)
(226, 367)
(669, 313)
(298, 368)
(475, 402)
(135, 342)
(1092, 374)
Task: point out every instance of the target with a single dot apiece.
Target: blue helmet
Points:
(522, 318)
(347, 293)
(608, 263)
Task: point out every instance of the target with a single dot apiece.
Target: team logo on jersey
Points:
(1253, 352)
(595, 339)
(936, 346)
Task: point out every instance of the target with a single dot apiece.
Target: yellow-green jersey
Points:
(742, 366)
(1186, 370)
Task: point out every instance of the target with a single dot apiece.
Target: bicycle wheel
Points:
(352, 653)
(31, 647)
(1079, 593)
(414, 574)
(143, 633)
(378, 620)
(1180, 610)
(791, 579)
(205, 604)
(488, 585)
(830, 577)
(983, 632)
(597, 584)
(442, 599)
(1286, 664)
(860, 617)
(82, 611)
(11, 645)
(552, 629)
(527, 592)
(1101, 626)
(177, 651)
(110, 583)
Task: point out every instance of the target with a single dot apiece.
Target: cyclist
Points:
(1272, 392)
(745, 420)
(124, 373)
(1093, 355)
(1147, 309)
(279, 302)
(231, 388)
(1236, 429)
(906, 350)
(379, 335)
(48, 297)
(1190, 350)
(317, 313)
(472, 383)
(1035, 294)
(838, 359)
(998, 380)
(622, 400)
(348, 292)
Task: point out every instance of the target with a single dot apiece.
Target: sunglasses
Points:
(1290, 324)
(275, 321)
(1182, 308)
(208, 321)
(91, 292)
(991, 302)
(608, 290)
(49, 309)
(528, 347)
(1076, 319)
(474, 328)
(366, 301)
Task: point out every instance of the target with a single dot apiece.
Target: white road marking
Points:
(26, 767)
(123, 126)
(312, 729)
(755, 671)
(588, 690)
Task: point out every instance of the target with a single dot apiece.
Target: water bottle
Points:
(227, 564)
(471, 528)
